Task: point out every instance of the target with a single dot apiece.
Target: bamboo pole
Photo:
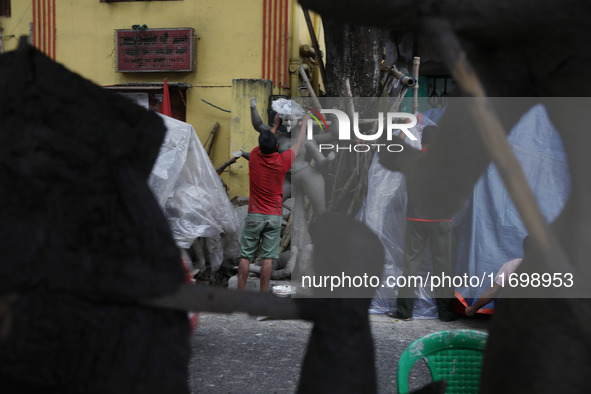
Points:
(415, 87)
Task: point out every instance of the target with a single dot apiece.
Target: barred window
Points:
(4, 7)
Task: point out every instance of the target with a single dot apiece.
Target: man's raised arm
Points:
(301, 138)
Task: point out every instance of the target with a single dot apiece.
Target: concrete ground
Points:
(238, 353)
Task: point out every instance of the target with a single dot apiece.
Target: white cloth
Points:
(288, 109)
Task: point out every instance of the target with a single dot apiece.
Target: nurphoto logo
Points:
(394, 121)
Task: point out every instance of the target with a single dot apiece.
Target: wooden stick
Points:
(286, 239)
(396, 104)
(337, 197)
(361, 189)
(285, 243)
(337, 200)
(199, 298)
(349, 97)
(221, 168)
(212, 135)
(334, 184)
(310, 215)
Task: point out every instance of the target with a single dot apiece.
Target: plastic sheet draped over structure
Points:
(488, 231)
(288, 109)
(191, 194)
(384, 211)
(491, 232)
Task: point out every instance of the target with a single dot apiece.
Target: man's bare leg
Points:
(243, 273)
(267, 267)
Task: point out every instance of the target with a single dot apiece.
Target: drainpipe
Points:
(316, 74)
(1, 38)
(294, 61)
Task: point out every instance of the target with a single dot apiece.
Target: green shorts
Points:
(263, 230)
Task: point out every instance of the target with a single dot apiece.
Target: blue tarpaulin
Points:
(488, 232)
(491, 232)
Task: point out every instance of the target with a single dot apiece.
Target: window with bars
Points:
(440, 88)
(149, 95)
(4, 7)
(433, 92)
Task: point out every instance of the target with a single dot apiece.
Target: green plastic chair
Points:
(454, 356)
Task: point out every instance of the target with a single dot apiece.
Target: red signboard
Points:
(155, 50)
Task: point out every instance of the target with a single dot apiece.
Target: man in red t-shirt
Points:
(262, 227)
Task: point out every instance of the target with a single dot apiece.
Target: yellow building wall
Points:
(229, 46)
(244, 136)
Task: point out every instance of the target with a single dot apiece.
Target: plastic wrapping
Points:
(191, 194)
(491, 233)
(384, 211)
(288, 109)
(488, 231)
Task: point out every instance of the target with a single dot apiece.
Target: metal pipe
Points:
(309, 86)
(317, 53)
(295, 50)
(406, 80)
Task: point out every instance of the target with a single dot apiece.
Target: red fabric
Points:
(165, 110)
(266, 174)
(193, 316)
(428, 220)
(460, 305)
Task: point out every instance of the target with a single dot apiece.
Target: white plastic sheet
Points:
(492, 231)
(191, 194)
(488, 230)
(384, 211)
(288, 109)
